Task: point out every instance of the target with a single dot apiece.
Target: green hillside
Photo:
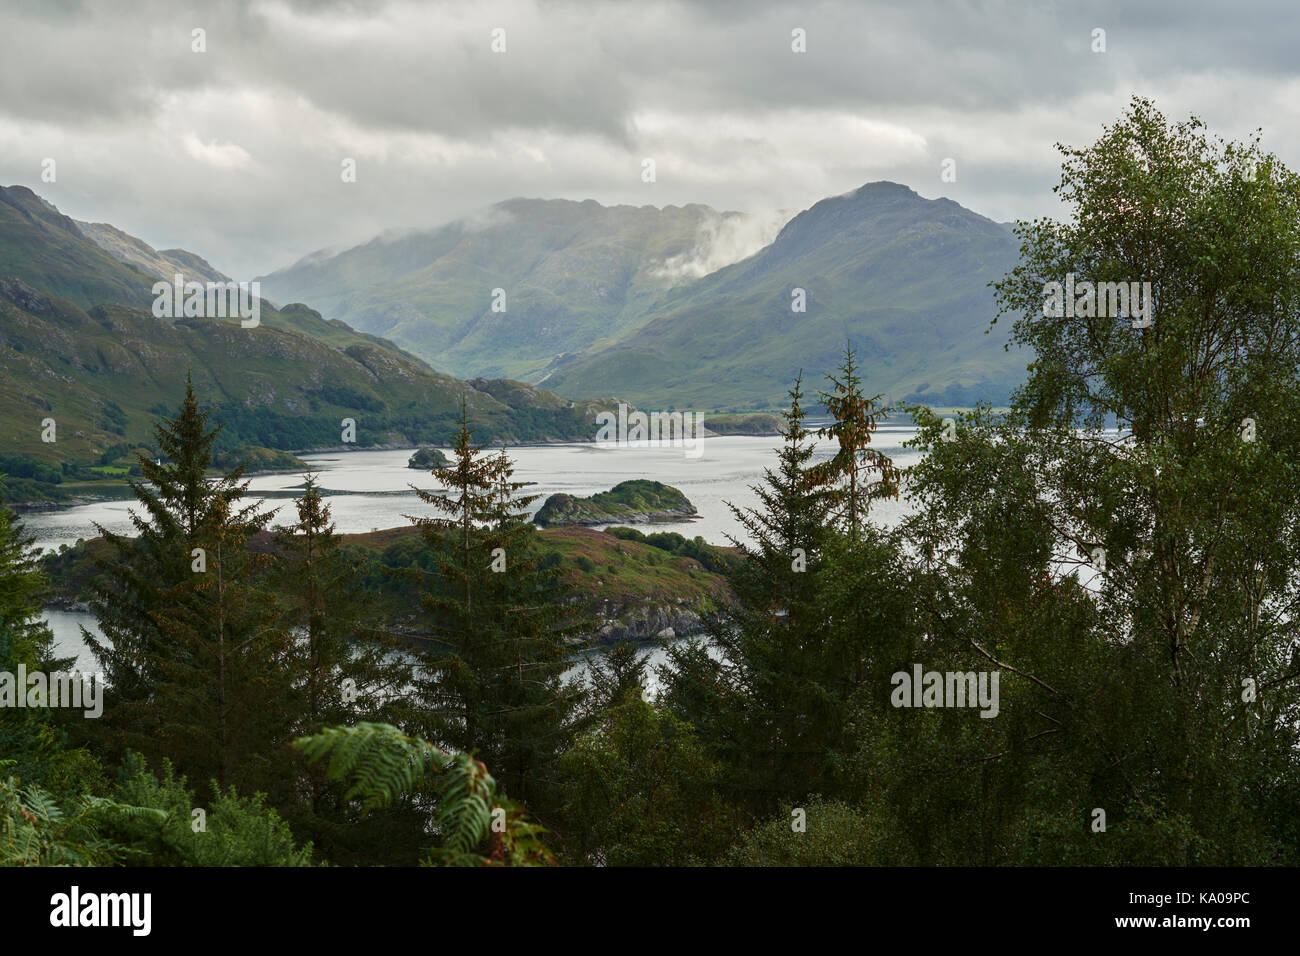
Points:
(573, 273)
(79, 344)
(104, 375)
(903, 277)
(136, 252)
(597, 306)
(47, 250)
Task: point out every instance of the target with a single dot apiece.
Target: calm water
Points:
(370, 490)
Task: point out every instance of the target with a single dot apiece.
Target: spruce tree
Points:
(766, 705)
(192, 648)
(850, 472)
(492, 684)
(176, 498)
(344, 671)
(223, 701)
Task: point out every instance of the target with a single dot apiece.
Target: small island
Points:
(427, 459)
(256, 460)
(629, 502)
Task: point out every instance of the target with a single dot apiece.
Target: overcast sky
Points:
(235, 153)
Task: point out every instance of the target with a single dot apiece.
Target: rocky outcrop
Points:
(649, 620)
(629, 502)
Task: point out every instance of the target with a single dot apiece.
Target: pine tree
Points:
(849, 473)
(223, 701)
(493, 684)
(177, 499)
(192, 649)
(617, 673)
(766, 705)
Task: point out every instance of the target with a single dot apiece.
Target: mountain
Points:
(79, 344)
(163, 263)
(46, 249)
(573, 273)
(105, 374)
(631, 301)
(904, 278)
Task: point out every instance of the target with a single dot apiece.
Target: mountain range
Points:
(680, 307)
(570, 274)
(80, 344)
(629, 301)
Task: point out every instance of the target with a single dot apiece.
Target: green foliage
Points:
(835, 834)
(711, 557)
(848, 475)
(37, 830)
(640, 790)
(191, 644)
(1125, 688)
(492, 686)
(24, 466)
(341, 669)
(777, 716)
(235, 830)
(380, 765)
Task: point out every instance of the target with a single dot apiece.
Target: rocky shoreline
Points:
(650, 622)
(615, 625)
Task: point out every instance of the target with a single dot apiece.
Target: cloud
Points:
(147, 132)
(220, 155)
(724, 239)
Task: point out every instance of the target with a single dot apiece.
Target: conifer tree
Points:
(493, 684)
(766, 704)
(850, 472)
(224, 697)
(177, 499)
(192, 646)
(344, 671)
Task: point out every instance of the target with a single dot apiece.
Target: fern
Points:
(36, 831)
(381, 764)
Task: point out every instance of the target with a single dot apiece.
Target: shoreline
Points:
(39, 505)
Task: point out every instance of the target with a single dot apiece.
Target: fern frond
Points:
(380, 761)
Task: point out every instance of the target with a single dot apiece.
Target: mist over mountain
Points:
(79, 343)
(572, 273)
(684, 305)
(904, 279)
